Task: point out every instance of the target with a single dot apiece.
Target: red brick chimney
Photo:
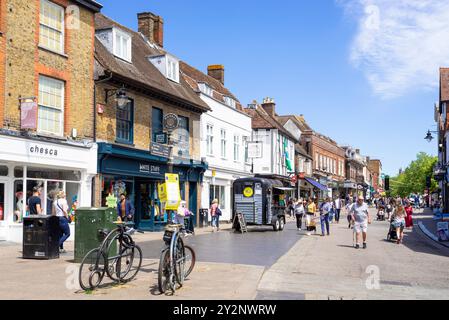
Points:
(269, 106)
(152, 27)
(217, 72)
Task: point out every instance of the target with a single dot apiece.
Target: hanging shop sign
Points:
(171, 122)
(160, 150)
(28, 113)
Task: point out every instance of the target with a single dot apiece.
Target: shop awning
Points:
(285, 188)
(316, 184)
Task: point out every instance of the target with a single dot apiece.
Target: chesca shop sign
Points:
(39, 150)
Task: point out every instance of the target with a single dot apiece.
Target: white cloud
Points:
(400, 44)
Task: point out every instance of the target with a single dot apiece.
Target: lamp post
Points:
(121, 96)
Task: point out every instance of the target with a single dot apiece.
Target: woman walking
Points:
(310, 217)
(215, 213)
(299, 213)
(61, 208)
(409, 218)
(398, 221)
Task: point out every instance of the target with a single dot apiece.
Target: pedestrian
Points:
(310, 216)
(360, 216)
(325, 210)
(290, 207)
(409, 217)
(398, 221)
(61, 209)
(215, 213)
(337, 206)
(299, 213)
(181, 213)
(125, 209)
(35, 203)
(348, 210)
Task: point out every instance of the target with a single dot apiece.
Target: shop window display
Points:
(3, 171)
(18, 200)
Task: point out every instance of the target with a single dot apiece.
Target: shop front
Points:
(52, 166)
(137, 174)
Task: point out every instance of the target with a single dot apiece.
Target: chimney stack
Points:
(269, 106)
(152, 27)
(217, 72)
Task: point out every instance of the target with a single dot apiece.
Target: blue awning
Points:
(316, 184)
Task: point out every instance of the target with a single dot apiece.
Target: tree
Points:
(413, 178)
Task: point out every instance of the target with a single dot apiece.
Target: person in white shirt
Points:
(61, 208)
(337, 206)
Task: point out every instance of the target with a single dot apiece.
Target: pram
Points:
(392, 235)
(381, 214)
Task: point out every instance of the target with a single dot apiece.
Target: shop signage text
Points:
(146, 168)
(44, 151)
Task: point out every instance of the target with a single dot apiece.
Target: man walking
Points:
(125, 209)
(337, 206)
(360, 216)
(35, 203)
(325, 210)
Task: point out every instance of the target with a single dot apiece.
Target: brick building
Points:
(328, 161)
(46, 116)
(375, 167)
(135, 65)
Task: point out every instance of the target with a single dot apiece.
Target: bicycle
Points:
(177, 260)
(118, 257)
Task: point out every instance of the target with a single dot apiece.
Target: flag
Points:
(288, 162)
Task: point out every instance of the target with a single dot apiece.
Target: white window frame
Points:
(236, 148)
(61, 116)
(223, 144)
(230, 102)
(117, 32)
(41, 25)
(172, 69)
(210, 140)
(205, 89)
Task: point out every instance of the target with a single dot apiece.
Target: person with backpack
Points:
(215, 213)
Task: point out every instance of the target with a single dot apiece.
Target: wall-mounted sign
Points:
(171, 121)
(100, 108)
(161, 138)
(39, 150)
(28, 114)
(160, 150)
(146, 168)
(254, 150)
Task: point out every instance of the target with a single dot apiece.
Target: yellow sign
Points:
(173, 191)
(162, 191)
(111, 201)
(248, 192)
(214, 173)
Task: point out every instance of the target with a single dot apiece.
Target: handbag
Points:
(218, 212)
(69, 217)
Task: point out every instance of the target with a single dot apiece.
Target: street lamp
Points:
(120, 96)
(429, 136)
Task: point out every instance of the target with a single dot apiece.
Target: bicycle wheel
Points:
(163, 278)
(179, 261)
(131, 261)
(92, 269)
(190, 260)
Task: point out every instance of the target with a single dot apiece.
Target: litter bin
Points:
(41, 237)
(88, 224)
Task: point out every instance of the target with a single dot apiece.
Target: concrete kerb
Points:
(430, 235)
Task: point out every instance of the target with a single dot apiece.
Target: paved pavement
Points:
(330, 268)
(428, 225)
(258, 265)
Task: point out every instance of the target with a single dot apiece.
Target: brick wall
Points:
(106, 122)
(25, 62)
(2, 57)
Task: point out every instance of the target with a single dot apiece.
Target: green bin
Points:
(88, 223)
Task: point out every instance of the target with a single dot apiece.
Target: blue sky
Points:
(364, 72)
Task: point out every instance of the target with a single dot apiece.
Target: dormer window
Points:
(121, 44)
(229, 102)
(206, 89)
(168, 65)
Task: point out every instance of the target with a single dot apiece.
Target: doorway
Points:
(2, 208)
(193, 205)
(148, 207)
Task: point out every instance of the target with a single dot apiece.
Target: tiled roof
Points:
(141, 71)
(262, 120)
(194, 76)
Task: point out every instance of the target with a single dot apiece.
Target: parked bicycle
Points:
(118, 257)
(177, 260)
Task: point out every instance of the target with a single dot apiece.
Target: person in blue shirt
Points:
(325, 210)
(125, 209)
